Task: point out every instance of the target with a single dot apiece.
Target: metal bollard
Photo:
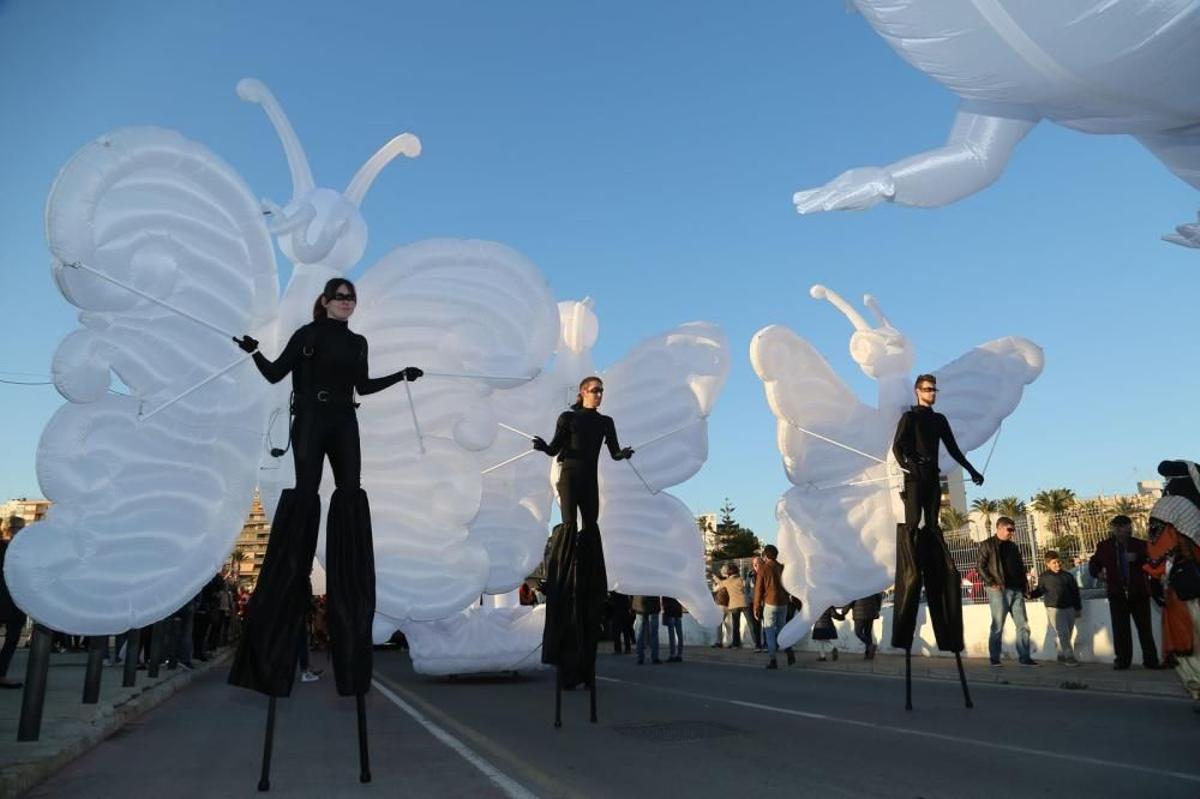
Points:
(95, 666)
(133, 643)
(156, 642)
(33, 700)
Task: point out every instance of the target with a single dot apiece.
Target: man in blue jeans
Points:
(648, 607)
(1003, 570)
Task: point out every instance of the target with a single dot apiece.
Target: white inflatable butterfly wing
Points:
(152, 486)
(460, 308)
(980, 389)
(660, 396)
(836, 525)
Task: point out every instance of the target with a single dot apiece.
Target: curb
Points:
(1046, 676)
(108, 719)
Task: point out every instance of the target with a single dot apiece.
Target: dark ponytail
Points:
(331, 287)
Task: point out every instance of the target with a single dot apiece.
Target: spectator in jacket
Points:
(751, 576)
(770, 601)
(721, 597)
(648, 607)
(672, 613)
(1003, 571)
(865, 611)
(736, 589)
(1060, 595)
(1118, 563)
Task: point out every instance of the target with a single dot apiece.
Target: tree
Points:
(1011, 507)
(733, 540)
(1054, 502)
(235, 559)
(986, 507)
(952, 520)
(1129, 507)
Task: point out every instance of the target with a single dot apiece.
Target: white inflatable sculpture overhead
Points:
(837, 524)
(151, 485)
(659, 396)
(167, 253)
(1097, 66)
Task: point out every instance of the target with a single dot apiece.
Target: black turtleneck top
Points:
(325, 355)
(918, 434)
(578, 436)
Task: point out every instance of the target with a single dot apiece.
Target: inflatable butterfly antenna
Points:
(837, 524)
(660, 396)
(166, 251)
(321, 231)
(1013, 64)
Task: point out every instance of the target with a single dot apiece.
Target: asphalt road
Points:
(696, 729)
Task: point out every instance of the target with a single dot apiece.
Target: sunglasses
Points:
(928, 389)
(596, 390)
(343, 297)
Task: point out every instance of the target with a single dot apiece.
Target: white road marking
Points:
(509, 786)
(1024, 750)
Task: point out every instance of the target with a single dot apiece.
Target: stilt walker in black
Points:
(576, 582)
(921, 553)
(328, 364)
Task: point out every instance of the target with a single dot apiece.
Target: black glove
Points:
(411, 373)
(246, 343)
(626, 453)
(539, 444)
(977, 478)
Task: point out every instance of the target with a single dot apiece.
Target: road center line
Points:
(1081, 759)
(509, 786)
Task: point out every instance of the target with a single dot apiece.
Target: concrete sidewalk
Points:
(69, 727)
(1086, 676)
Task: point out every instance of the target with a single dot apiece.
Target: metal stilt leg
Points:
(264, 780)
(908, 679)
(962, 678)
(558, 697)
(364, 762)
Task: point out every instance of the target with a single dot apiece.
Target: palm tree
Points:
(1128, 506)
(952, 520)
(986, 507)
(1011, 507)
(235, 559)
(1054, 502)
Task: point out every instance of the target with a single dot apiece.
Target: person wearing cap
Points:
(1118, 563)
(1174, 557)
(1060, 595)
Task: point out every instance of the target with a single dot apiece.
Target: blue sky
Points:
(645, 154)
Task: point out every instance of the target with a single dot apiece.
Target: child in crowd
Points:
(1063, 605)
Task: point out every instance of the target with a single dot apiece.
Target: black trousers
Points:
(579, 496)
(266, 656)
(864, 629)
(922, 496)
(922, 559)
(735, 616)
(1121, 608)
